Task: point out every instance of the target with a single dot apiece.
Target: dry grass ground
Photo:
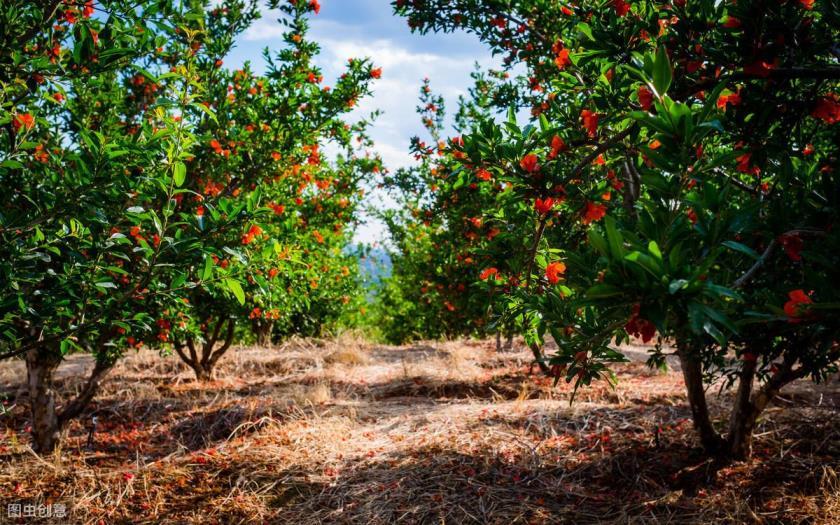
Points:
(348, 432)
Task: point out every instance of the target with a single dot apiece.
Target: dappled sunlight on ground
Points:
(451, 432)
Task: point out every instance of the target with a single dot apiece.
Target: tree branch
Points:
(604, 146)
(75, 407)
(227, 342)
(754, 268)
(180, 349)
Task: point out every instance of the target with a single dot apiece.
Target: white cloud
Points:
(447, 62)
(396, 95)
(266, 28)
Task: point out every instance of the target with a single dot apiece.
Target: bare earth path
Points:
(348, 432)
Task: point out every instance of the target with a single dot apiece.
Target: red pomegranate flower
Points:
(554, 272)
(645, 97)
(733, 99)
(544, 206)
(827, 109)
(792, 244)
(621, 7)
(23, 120)
(530, 163)
(732, 22)
(557, 145)
(590, 121)
(483, 174)
(562, 59)
(594, 212)
(795, 308)
(639, 327)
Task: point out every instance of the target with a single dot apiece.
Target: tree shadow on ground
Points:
(633, 481)
(410, 354)
(435, 485)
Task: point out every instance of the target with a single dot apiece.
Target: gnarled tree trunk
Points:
(47, 421)
(748, 404)
(203, 359)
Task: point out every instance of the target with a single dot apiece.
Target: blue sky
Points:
(359, 28)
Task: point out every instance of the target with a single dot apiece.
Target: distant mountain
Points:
(374, 264)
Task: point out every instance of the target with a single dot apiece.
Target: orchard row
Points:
(678, 181)
(153, 197)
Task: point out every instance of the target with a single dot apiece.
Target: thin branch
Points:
(604, 146)
(768, 251)
(532, 253)
(75, 407)
(735, 182)
(754, 268)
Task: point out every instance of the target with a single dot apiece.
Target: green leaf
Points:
(715, 332)
(651, 121)
(114, 153)
(586, 30)
(646, 262)
(738, 247)
(718, 317)
(677, 285)
(724, 291)
(662, 73)
(145, 73)
(116, 269)
(236, 288)
(11, 164)
(597, 241)
(544, 125)
(207, 273)
(206, 110)
(614, 238)
(179, 173)
(653, 248)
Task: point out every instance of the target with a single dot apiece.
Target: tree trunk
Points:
(538, 358)
(743, 417)
(204, 373)
(748, 407)
(693, 376)
(498, 342)
(509, 342)
(46, 429)
(47, 422)
(262, 329)
(739, 441)
(203, 360)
